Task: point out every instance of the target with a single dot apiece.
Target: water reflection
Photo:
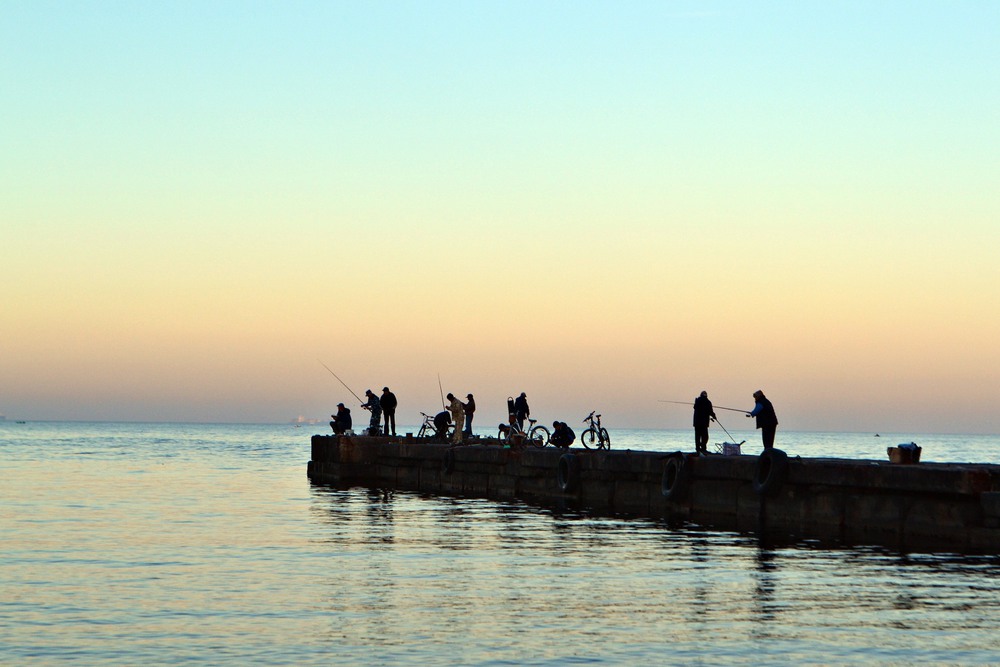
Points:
(559, 585)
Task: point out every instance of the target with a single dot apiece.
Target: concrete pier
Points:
(910, 507)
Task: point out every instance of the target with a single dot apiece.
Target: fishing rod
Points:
(716, 407)
(341, 381)
(442, 391)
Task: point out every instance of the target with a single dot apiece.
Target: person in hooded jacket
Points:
(767, 420)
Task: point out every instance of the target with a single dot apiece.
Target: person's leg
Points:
(767, 435)
(468, 423)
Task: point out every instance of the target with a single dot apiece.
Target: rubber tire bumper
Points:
(569, 473)
(676, 477)
(771, 472)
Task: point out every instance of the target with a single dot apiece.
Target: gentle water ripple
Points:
(192, 544)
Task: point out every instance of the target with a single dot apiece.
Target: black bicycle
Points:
(429, 430)
(595, 435)
(536, 435)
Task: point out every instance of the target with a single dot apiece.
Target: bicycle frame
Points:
(595, 434)
(535, 434)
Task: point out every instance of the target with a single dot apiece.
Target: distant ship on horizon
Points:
(300, 421)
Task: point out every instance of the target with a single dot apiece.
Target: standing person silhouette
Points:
(470, 409)
(521, 410)
(767, 420)
(376, 408)
(703, 415)
(388, 402)
(457, 417)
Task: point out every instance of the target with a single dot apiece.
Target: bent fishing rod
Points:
(715, 407)
(341, 381)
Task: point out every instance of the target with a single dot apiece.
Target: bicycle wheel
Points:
(605, 439)
(538, 436)
(588, 438)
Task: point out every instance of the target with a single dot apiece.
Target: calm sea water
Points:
(130, 544)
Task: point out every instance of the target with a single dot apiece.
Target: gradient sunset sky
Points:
(601, 204)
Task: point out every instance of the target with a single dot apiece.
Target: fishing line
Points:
(717, 407)
(341, 381)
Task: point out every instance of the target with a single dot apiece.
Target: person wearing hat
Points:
(376, 408)
(767, 420)
(521, 410)
(388, 403)
(470, 408)
(342, 420)
(703, 414)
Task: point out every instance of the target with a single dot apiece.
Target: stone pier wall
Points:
(910, 507)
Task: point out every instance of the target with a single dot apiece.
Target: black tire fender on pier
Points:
(676, 477)
(569, 473)
(771, 471)
(448, 461)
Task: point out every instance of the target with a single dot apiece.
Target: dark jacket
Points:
(703, 412)
(373, 405)
(521, 409)
(388, 401)
(563, 436)
(470, 406)
(441, 421)
(764, 412)
(342, 420)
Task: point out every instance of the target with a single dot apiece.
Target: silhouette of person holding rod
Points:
(767, 420)
(703, 415)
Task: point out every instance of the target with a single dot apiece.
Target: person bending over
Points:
(562, 435)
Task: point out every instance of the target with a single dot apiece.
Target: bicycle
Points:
(429, 430)
(595, 434)
(536, 436)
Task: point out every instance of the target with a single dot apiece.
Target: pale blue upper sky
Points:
(210, 184)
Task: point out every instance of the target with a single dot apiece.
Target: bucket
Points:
(906, 453)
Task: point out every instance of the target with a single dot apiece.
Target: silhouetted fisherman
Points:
(342, 422)
(703, 415)
(767, 420)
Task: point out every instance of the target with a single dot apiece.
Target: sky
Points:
(604, 205)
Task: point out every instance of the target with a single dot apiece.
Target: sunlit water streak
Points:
(206, 544)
